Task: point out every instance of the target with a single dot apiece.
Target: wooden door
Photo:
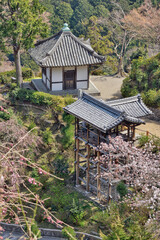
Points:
(69, 80)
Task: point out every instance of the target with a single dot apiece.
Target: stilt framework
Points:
(95, 121)
(88, 172)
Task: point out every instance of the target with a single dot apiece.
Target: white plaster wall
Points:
(82, 73)
(57, 86)
(82, 85)
(69, 68)
(57, 75)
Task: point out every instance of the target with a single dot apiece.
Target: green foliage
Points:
(77, 212)
(68, 136)
(144, 78)
(97, 72)
(143, 140)
(31, 126)
(100, 39)
(155, 141)
(120, 223)
(63, 13)
(60, 165)
(5, 77)
(47, 136)
(152, 98)
(28, 62)
(122, 189)
(35, 230)
(4, 115)
(69, 233)
(68, 118)
(40, 98)
(26, 24)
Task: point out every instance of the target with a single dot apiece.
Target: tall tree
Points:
(121, 36)
(147, 24)
(21, 21)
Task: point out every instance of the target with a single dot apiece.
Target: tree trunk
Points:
(121, 72)
(18, 66)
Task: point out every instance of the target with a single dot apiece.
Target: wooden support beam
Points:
(134, 132)
(128, 135)
(98, 170)
(116, 130)
(110, 192)
(88, 168)
(77, 162)
(88, 163)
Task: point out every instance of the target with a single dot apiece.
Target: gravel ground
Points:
(110, 89)
(108, 86)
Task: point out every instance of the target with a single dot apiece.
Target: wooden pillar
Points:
(51, 79)
(88, 158)
(98, 170)
(116, 130)
(134, 132)
(109, 182)
(77, 150)
(110, 191)
(77, 161)
(88, 168)
(128, 133)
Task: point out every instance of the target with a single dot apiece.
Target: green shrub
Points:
(5, 77)
(97, 72)
(4, 115)
(47, 136)
(69, 233)
(68, 118)
(143, 140)
(40, 98)
(68, 136)
(144, 78)
(122, 189)
(60, 165)
(31, 126)
(77, 212)
(27, 73)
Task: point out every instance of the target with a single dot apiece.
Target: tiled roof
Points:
(98, 113)
(132, 106)
(64, 50)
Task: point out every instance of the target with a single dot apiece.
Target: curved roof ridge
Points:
(101, 104)
(124, 100)
(46, 39)
(134, 119)
(48, 54)
(64, 49)
(56, 44)
(85, 46)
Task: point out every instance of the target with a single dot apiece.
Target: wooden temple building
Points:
(95, 120)
(65, 61)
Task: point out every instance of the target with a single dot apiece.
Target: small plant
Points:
(122, 189)
(143, 140)
(77, 212)
(69, 233)
(4, 114)
(47, 136)
(31, 126)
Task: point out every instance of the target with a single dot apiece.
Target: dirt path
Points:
(110, 89)
(151, 126)
(108, 86)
